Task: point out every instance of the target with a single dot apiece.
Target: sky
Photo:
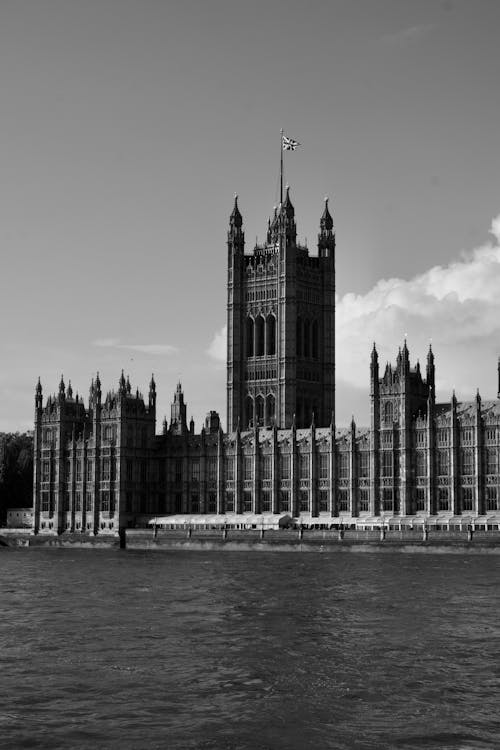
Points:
(127, 126)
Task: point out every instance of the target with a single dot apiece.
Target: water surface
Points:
(121, 649)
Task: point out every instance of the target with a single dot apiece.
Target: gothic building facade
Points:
(101, 467)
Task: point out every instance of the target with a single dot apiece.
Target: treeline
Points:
(16, 471)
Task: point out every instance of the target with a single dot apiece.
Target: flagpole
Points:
(281, 167)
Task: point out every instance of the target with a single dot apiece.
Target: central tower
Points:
(280, 325)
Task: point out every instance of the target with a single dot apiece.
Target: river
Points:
(244, 650)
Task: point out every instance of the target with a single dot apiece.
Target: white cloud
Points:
(153, 349)
(218, 347)
(456, 306)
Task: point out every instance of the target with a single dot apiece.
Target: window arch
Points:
(249, 336)
(270, 409)
(259, 411)
(259, 336)
(299, 337)
(271, 334)
(388, 412)
(249, 411)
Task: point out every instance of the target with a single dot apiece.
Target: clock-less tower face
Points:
(281, 326)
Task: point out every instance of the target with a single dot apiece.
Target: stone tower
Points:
(281, 325)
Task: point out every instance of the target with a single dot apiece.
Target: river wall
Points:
(283, 540)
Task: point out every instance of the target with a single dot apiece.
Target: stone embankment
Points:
(283, 540)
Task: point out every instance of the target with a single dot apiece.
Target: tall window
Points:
(45, 471)
(89, 502)
(304, 460)
(106, 470)
(443, 498)
(78, 502)
(343, 461)
(364, 501)
(421, 463)
(443, 462)
(467, 461)
(266, 467)
(387, 500)
(129, 469)
(78, 468)
(343, 498)
(271, 334)
(249, 411)
(284, 501)
(259, 336)
(229, 468)
(388, 412)
(492, 498)
(249, 336)
(285, 465)
(247, 467)
(105, 501)
(467, 498)
(386, 464)
(364, 464)
(259, 410)
(323, 501)
(230, 502)
(271, 409)
(90, 470)
(247, 502)
(195, 470)
(266, 501)
(303, 501)
(323, 464)
(420, 498)
(491, 460)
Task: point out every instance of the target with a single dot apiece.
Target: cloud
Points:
(153, 349)
(218, 347)
(456, 306)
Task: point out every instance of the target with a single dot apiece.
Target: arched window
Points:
(299, 337)
(388, 412)
(315, 339)
(249, 336)
(249, 411)
(270, 409)
(307, 339)
(259, 411)
(271, 334)
(259, 336)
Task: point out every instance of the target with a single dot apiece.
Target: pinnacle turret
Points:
(326, 221)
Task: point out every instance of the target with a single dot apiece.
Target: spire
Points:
(326, 236)
(326, 221)
(62, 390)
(70, 390)
(122, 385)
(235, 235)
(287, 207)
(430, 371)
(236, 219)
(152, 392)
(38, 395)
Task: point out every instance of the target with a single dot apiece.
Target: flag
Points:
(289, 144)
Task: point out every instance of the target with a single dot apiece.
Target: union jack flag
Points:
(288, 144)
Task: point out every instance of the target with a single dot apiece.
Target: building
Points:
(102, 467)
